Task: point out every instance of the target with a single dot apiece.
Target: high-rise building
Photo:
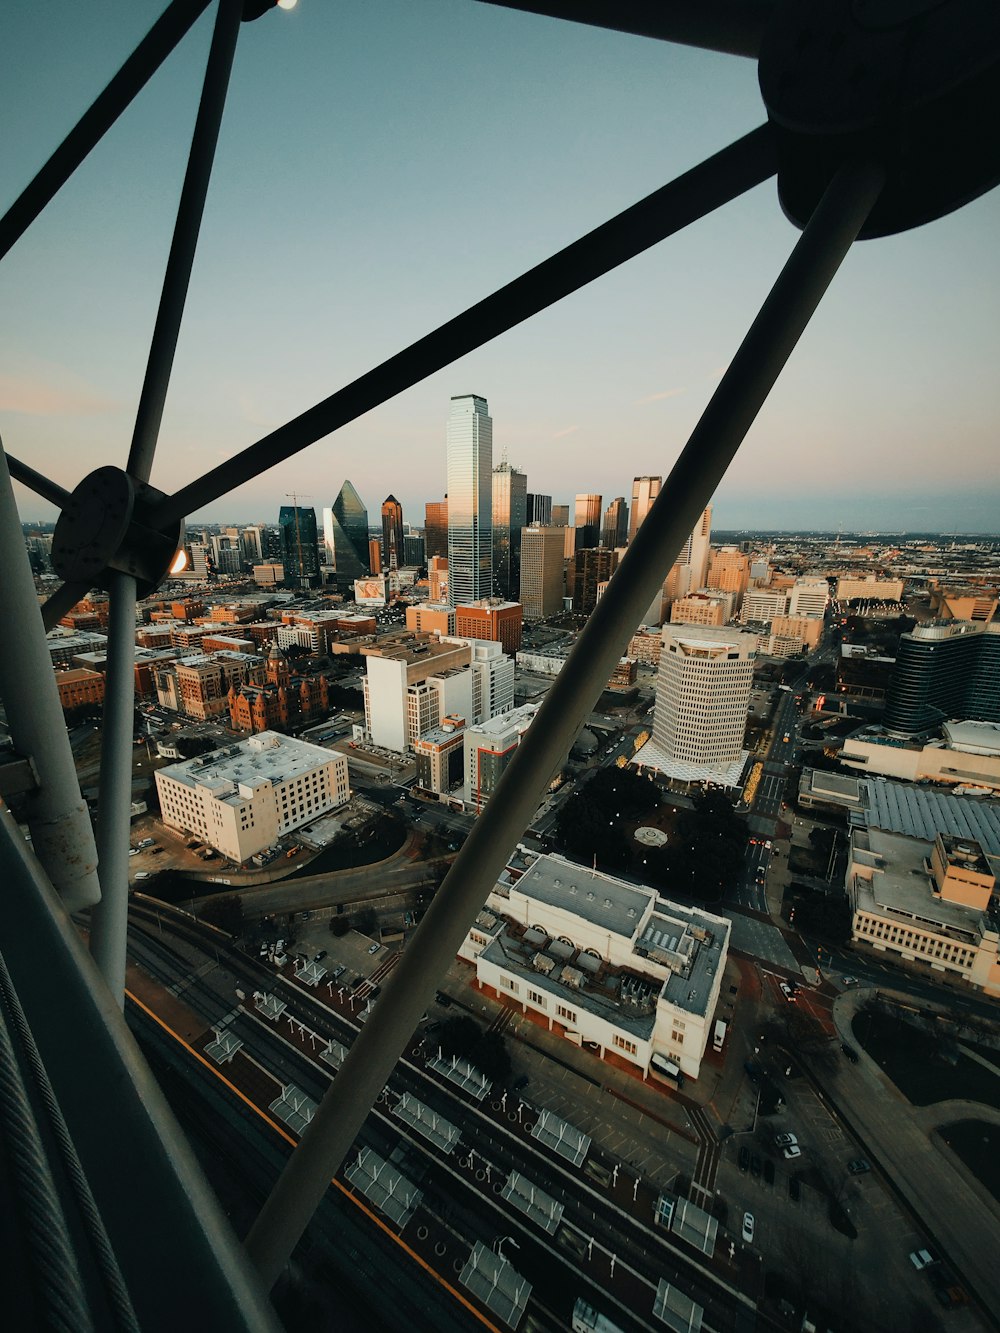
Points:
(470, 500)
(614, 531)
(345, 535)
(702, 699)
(299, 549)
(588, 520)
(436, 528)
(691, 568)
(539, 509)
(589, 567)
(542, 572)
(492, 618)
(252, 545)
(489, 748)
(560, 516)
(392, 533)
(374, 555)
(729, 571)
(414, 550)
(644, 492)
(808, 597)
(510, 510)
(948, 672)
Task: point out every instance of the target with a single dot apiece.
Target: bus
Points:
(719, 1034)
(665, 1069)
(588, 1320)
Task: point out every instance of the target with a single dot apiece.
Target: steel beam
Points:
(574, 693)
(27, 476)
(734, 27)
(109, 925)
(95, 122)
(62, 602)
(716, 181)
(181, 1263)
(58, 819)
(190, 210)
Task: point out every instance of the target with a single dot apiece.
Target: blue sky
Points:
(383, 165)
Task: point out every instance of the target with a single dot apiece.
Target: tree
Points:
(462, 1036)
(226, 912)
(365, 921)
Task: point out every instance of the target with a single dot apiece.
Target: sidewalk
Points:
(964, 1221)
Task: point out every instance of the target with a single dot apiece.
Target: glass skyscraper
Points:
(948, 672)
(345, 535)
(470, 500)
(392, 533)
(644, 492)
(299, 549)
(510, 516)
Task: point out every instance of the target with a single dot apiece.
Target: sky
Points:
(382, 165)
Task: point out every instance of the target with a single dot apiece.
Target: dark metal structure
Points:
(873, 112)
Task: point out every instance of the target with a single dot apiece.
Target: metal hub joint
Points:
(911, 84)
(107, 526)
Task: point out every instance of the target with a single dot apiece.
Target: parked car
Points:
(319, 956)
(744, 1157)
(338, 972)
(794, 1189)
(921, 1259)
(850, 1052)
(859, 1166)
(791, 1152)
(748, 1228)
(787, 991)
(785, 1140)
(443, 1000)
(374, 948)
(142, 874)
(134, 851)
(754, 1165)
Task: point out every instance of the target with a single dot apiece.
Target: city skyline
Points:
(886, 418)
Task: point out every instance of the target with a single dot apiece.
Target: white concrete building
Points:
(492, 677)
(610, 965)
(851, 587)
(702, 700)
(808, 597)
(399, 703)
(241, 799)
(763, 604)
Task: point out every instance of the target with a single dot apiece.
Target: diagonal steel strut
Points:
(696, 474)
(716, 181)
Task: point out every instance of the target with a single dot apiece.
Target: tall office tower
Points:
(615, 529)
(702, 699)
(470, 500)
(539, 509)
(691, 569)
(808, 597)
(589, 567)
(374, 555)
(436, 527)
(510, 515)
(414, 551)
(542, 571)
(252, 545)
(644, 492)
(560, 516)
(272, 543)
(299, 547)
(588, 520)
(345, 535)
(729, 571)
(944, 673)
(392, 533)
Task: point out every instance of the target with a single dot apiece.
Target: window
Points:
(535, 998)
(623, 1044)
(563, 1012)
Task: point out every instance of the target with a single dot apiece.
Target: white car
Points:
(133, 851)
(787, 992)
(791, 1152)
(748, 1228)
(785, 1140)
(922, 1259)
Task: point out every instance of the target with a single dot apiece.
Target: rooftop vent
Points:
(607, 902)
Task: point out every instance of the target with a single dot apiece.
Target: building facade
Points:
(644, 492)
(392, 533)
(436, 528)
(491, 618)
(243, 798)
(299, 548)
(489, 748)
(345, 535)
(539, 509)
(944, 672)
(614, 530)
(470, 500)
(510, 515)
(541, 572)
(589, 567)
(587, 520)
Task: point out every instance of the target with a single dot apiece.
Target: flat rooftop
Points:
(902, 884)
(267, 756)
(600, 899)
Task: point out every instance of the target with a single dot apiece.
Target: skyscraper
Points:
(588, 520)
(299, 549)
(590, 566)
(470, 500)
(644, 492)
(702, 699)
(510, 507)
(392, 533)
(560, 516)
(539, 509)
(542, 571)
(345, 535)
(436, 527)
(690, 571)
(614, 531)
(944, 672)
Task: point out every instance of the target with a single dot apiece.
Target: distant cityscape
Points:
(762, 880)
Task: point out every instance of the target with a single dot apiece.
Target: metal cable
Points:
(60, 1288)
(104, 1254)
